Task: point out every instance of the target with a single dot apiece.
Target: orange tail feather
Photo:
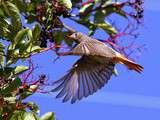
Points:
(130, 64)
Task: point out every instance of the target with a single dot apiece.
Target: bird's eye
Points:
(76, 35)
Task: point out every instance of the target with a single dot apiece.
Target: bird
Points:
(92, 71)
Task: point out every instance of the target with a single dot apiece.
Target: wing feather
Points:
(84, 79)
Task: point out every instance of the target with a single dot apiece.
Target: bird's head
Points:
(76, 36)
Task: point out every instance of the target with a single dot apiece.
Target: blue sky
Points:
(129, 96)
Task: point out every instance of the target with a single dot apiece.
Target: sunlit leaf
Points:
(30, 116)
(19, 37)
(4, 29)
(66, 3)
(10, 8)
(20, 69)
(17, 115)
(107, 27)
(2, 54)
(13, 12)
(22, 115)
(111, 7)
(48, 116)
(10, 99)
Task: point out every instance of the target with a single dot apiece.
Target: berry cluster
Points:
(59, 9)
(48, 16)
(137, 5)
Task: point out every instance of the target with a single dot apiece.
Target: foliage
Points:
(19, 42)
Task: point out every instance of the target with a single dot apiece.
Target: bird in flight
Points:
(92, 71)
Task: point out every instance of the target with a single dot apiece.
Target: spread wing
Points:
(84, 79)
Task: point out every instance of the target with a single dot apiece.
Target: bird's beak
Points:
(72, 36)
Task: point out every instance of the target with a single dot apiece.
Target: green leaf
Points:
(107, 27)
(12, 55)
(29, 91)
(92, 29)
(111, 7)
(13, 12)
(10, 9)
(30, 35)
(10, 99)
(99, 16)
(6, 71)
(58, 37)
(25, 94)
(20, 69)
(36, 32)
(107, 2)
(7, 29)
(2, 54)
(18, 38)
(22, 115)
(11, 87)
(30, 116)
(66, 3)
(4, 28)
(21, 5)
(17, 115)
(48, 116)
(1, 12)
(34, 50)
(30, 45)
(122, 13)
(18, 47)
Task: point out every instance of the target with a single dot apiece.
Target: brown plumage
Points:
(92, 71)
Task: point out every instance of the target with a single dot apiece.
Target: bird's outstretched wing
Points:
(84, 79)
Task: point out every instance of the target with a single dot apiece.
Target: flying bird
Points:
(92, 71)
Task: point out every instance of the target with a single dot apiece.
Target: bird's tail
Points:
(130, 64)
